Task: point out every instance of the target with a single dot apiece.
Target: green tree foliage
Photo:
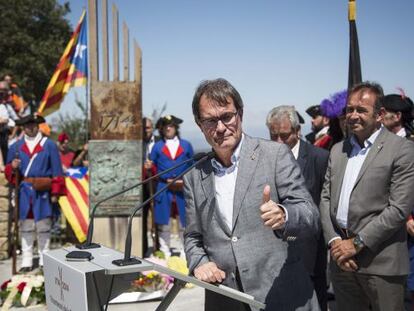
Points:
(33, 36)
(74, 126)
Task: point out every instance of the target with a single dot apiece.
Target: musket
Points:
(15, 240)
(154, 231)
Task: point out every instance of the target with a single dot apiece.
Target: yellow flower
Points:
(180, 265)
(177, 264)
(152, 274)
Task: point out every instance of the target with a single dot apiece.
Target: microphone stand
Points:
(88, 243)
(127, 260)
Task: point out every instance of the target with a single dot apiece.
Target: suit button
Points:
(234, 239)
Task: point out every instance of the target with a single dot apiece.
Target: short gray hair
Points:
(283, 111)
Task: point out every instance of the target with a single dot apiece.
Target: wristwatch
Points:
(358, 243)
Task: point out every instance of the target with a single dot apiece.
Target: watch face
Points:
(358, 242)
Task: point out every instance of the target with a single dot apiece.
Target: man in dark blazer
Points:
(284, 127)
(243, 207)
(366, 199)
(148, 141)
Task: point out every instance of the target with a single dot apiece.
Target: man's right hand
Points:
(209, 272)
(16, 163)
(410, 227)
(271, 213)
(349, 264)
(148, 164)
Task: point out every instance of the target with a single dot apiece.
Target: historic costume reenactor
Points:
(320, 126)
(398, 114)
(167, 152)
(41, 183)
(334, 110)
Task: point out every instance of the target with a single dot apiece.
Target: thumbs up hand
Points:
(272, 214)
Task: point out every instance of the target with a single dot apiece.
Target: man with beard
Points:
(320, 125)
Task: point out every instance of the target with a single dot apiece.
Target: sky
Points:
(273, 52)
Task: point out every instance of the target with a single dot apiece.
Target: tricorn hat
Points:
(168, 119)
(314, 111)
(398, 103)
(30, 119)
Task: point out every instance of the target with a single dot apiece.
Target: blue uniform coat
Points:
(162, 159)
(46, 163)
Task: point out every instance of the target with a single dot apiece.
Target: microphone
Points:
(88, 243)
(127, 260)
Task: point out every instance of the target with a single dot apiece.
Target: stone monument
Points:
(115, 148)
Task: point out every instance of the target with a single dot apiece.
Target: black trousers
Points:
(214, 301)
(4, 141)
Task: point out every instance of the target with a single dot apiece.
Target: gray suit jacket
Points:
(270, 268)
(380, 202)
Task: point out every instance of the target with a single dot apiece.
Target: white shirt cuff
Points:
(286, 216)
(335, 238)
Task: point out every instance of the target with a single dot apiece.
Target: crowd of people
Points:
(261, 217)
(36, 163)
(266, 218)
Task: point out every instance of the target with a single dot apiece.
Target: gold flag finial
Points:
(351, 10)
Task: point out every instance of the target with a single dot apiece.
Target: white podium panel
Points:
(66, 282)
(89, 285)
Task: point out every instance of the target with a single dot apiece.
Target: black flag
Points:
(354, 72)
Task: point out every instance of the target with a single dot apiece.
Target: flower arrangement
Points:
(23, 291)
(149, 281)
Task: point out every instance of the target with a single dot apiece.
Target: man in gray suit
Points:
(243, 208)
(284, 127)
(366, 199)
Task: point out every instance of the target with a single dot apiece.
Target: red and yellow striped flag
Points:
(75, 205)
(72, 70)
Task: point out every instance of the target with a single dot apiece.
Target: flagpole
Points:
(87, 86)
(354, 71)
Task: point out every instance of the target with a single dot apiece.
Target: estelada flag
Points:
(72, 70)
(75, 205)
(354, 71)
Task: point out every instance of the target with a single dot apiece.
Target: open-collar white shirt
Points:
(295, 149)
(225, 184)
(353, 166)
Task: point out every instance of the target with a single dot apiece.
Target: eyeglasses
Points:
(282, 136)
(226, 118)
